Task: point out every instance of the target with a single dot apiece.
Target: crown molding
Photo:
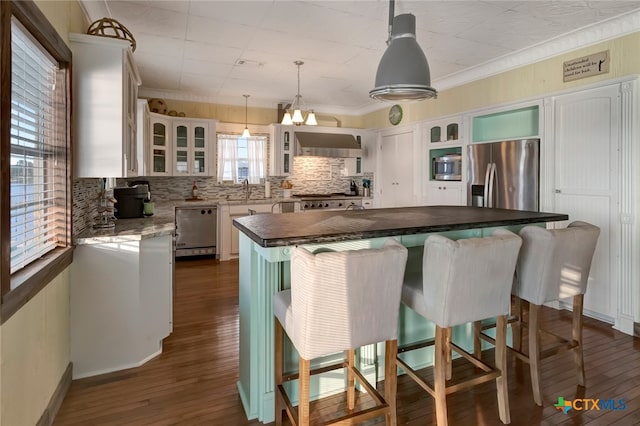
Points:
(618, 26)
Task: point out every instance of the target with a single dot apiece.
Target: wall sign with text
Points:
(586, 66)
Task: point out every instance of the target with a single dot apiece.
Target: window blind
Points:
(38, 152)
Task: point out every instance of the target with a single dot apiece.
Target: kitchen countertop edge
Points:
(160, 224)
(128, 230)
(265, 231)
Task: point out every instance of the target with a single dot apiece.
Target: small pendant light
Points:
(245, 133)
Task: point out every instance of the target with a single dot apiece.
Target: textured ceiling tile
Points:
(340, 41)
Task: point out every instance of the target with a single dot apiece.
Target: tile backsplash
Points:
(317, 175)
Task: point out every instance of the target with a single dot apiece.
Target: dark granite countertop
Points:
(277, 230)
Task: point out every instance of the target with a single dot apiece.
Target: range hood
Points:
(327, 145)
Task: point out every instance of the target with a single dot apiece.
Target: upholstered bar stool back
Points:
(463, 281)
(340, 301)
(553, 265)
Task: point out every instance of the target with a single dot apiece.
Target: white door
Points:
(587, 130)
(396, 162)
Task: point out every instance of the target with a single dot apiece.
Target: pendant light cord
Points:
(392, 6)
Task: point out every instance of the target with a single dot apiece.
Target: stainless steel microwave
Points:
(447, 167)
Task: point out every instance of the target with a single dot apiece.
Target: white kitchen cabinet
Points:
(369, 142)
(282, 150)
(144, 133)
(353, 166)
(105, 92)
(443, 193)
(178, 146)
(396, 186)
(228, 235)
(193, 147)
(444, 130)
(158, 152)
(121, 296)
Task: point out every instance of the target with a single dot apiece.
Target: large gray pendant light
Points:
(403, 73)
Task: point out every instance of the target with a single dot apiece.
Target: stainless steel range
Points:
(328, 202)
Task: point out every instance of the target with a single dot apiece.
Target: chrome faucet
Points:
(247, 189)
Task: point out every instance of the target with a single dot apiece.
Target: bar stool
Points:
(458, 282)
(553, 265)
(340, 301)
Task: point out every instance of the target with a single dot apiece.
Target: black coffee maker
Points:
(130, 200)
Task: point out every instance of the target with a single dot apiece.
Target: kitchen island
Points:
(266, 242)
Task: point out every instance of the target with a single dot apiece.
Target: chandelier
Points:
(296, 112)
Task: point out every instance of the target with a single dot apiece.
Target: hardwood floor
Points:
(193, 382)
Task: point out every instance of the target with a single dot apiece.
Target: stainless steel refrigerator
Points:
(504, 174)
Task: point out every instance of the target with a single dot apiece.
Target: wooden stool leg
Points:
(501, 364)
(534, 351)
(390, 379)
(449, 357)
(477, 342)
(278, 337)
(351, 380)
(303, 392)
(577, 336)
(439, 374)
(516, 327)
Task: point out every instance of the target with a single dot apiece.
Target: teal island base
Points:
(264, 270)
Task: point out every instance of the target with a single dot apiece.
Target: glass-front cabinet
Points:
(282, 150)
(159, 154)
(179, 147)
(444, 131)
(191, 148)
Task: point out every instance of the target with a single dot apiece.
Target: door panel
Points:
(404, 170)
(587, 127)
(517, 174)
(388, 154)
(598, 297)
(397, 159)
(584, 130)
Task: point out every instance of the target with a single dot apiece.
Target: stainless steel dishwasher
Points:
(196, 230)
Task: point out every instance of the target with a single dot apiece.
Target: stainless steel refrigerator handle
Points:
(492, 177)
(487, 174)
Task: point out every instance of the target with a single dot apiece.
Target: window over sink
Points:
(241, 158)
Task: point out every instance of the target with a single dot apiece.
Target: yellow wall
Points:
(35, 353)
(526, 82)
(34, 342)
(259, 116)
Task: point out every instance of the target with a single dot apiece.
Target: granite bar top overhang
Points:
(278, 230)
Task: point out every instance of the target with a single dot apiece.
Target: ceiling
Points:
(216, 51)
